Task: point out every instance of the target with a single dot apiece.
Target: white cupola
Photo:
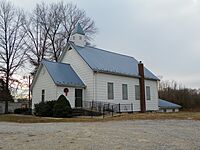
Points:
(78, 36)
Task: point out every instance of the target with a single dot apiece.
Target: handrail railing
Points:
(106, 108)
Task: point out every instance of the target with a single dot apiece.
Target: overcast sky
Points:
(164, 34)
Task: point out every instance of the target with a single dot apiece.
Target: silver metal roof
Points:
(165, 104)
(108, 62)
(62, 74)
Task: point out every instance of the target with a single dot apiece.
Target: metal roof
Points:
(78, 29)
(109, 62)
(165, 104)
(62, 74)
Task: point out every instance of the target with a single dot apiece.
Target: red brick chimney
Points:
(142, 87)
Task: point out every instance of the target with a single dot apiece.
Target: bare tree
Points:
(37, 35)
(73, 15)
(51, 27)
(60, 23)
(55, 34)
(12, 45)
(177, 93)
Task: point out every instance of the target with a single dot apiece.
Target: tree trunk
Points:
(7, 89)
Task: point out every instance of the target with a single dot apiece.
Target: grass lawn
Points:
(124, 116)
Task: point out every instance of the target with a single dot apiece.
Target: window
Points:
(148, 93)
(110, 91)
(43, 95)
(137, 92)
(124, 92)
(80, 37)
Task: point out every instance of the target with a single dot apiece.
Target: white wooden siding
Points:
(78, 39)
(71, 94)
(101, 90)
(52, 92)
(152, 104)
(84, 72)
(43, 82)
(96, 85)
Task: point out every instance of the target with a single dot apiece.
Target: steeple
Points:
(78, 29)
(78, 36)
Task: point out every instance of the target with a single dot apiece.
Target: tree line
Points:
(41, 33)
(186, 97)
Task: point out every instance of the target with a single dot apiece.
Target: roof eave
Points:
(78, 33)
(152, 79)
(173, 107)
(69, 85)
(114, 73)
(121, 74)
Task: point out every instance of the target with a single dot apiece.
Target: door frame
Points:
(75, 104)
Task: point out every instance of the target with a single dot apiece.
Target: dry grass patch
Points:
(34, 119)
(124, 116)
(160, 116)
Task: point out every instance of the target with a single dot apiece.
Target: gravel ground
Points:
(120, 135)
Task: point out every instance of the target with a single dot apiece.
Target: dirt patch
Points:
(120, 135)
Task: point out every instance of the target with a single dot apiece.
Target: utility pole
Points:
(29, 90)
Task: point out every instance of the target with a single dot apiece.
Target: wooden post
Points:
(132, 107)
(103, 111)
(29, 93)
(92, 110)
(92, 104)
(112, 110)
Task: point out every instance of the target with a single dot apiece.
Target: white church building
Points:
(93, 74)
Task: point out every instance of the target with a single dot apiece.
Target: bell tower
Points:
(78, 36)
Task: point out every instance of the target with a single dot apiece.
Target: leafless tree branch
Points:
(12, 38)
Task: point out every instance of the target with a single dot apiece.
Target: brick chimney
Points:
(142, 87)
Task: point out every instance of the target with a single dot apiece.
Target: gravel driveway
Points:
(120, 135)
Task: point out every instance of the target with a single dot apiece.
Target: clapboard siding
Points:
(101, 81)
(83, 71)
(70, 96)
(43, 82)
(52, 92)
(153, 103)
(101, 89)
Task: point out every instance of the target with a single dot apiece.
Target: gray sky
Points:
(164, 34)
